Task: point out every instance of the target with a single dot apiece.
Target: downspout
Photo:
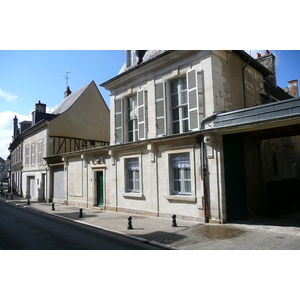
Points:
(243, 80)
(204, 174)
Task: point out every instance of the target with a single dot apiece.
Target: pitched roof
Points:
(70, 100)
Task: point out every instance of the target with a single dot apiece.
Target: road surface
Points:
(24, 229)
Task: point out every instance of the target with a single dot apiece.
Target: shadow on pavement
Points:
(290, 220)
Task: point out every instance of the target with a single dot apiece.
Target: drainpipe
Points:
(204, 166)
(243, 79)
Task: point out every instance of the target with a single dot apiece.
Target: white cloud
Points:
(6, 129)
(8, 96)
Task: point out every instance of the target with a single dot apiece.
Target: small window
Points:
(180, 174)
(132, 175)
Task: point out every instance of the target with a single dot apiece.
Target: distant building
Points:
(74, 125)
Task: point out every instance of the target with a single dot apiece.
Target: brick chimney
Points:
(16, 127)
(268, 60)
(293, 88)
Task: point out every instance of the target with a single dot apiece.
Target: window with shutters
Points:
(178, 108)
(131, 117)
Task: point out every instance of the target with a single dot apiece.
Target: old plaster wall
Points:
(87, 118)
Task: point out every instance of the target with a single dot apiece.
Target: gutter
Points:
(204, 174)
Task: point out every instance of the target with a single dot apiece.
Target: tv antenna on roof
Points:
(67, 72)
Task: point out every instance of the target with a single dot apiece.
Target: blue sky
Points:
(27, 76)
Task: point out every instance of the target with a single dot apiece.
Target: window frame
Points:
(182, 180)
(132, 177)
(134, 119)
(138, 195)
(181, 105)
(184, 198)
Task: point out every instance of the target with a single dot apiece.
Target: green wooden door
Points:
(100, 196)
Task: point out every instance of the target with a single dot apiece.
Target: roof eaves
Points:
(253, 62)
(136, 67)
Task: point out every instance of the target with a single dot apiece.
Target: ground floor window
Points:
(132, 175)
(180, 174)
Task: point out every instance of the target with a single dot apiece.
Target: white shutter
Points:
(118, 120)
(160, 104)
(141, 114)
(193, 103)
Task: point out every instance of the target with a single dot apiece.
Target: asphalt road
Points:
(25, 229)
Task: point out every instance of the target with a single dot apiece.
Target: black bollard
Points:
(53, 206)
(28, 201)
(6, 196)
(129, 223)
(80, 213)
(174, 224)
(11, 197)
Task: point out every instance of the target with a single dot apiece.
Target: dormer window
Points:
(131, 58)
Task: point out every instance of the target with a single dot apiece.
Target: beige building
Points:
(80, 121)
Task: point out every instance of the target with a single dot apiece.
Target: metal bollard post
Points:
(80, 213)
(129, 223)
(53, 206)
(28, 201)
(6, 196)
(11, 197)
(174, 224)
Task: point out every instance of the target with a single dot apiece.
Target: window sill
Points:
(134, 196)
(181, 198)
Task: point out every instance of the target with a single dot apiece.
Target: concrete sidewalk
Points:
(188, 235)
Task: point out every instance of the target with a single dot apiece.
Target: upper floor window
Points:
(26, 155)
(132, 122)
(33, 154)
(131, 117)
(179, 105)
(40, 152)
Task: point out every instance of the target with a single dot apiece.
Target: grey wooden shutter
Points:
(160, 104)
(193, 105)
(141, 114)
(118, 120)
(200, 94)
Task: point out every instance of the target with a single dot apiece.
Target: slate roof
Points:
(70, 100)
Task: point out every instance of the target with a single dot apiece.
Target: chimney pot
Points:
(67, 92)
(267, 52)
(258, 55)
